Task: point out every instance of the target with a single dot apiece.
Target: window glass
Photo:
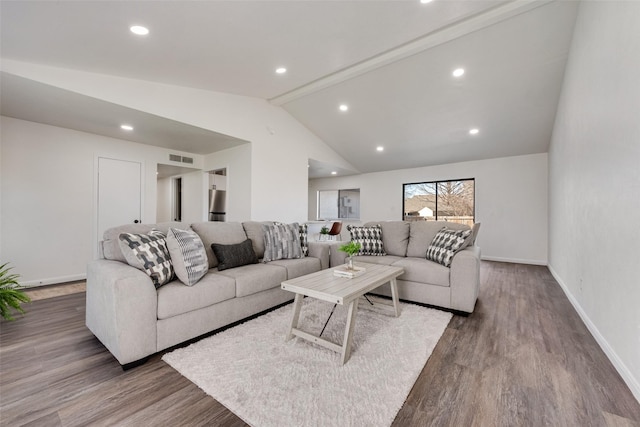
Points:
(452, 200)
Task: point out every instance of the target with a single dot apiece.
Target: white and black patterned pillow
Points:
(370, 239)
(281, 241)
(188, 255)
(304, 243)
(445, 244)
(149, 253)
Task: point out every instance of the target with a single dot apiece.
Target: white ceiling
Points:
(391, 61)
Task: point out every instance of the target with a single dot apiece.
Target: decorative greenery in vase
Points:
(324, 232)
(10, 294)
(350, 249)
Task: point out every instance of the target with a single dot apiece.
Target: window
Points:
(339, 204)
(452, 200)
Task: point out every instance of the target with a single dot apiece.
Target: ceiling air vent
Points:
(187, 160)
(175, 158)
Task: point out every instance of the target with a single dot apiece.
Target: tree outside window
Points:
(452, 200)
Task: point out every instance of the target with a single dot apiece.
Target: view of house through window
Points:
(440, 201)
(339, 204)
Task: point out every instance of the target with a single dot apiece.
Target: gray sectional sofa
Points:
(424, 281)
(133, 319)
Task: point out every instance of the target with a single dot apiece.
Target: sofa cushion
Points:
(370, 239)
(395, 236)
(384, 260)
(174, 298)
(235, 255)
(224, 233)
(110, 245)
(253, 230)
(445, 245)
(149, 253)
(281, 241)
(421, 270)
(421, 233)
(111, 240)
(254, 278)
(298, 267)
(188, 255)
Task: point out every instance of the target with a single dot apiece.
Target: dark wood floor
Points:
(523, 358)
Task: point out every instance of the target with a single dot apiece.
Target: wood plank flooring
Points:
(523, 358)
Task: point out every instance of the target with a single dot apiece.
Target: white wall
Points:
(238, 163)
(48, 201)
(511, 201)
(163, 212)
(280, 145)
(594, 181)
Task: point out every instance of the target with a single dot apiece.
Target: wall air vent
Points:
(182, 159)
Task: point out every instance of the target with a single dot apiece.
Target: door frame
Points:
(94, 223)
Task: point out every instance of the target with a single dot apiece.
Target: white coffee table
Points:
(324, 285)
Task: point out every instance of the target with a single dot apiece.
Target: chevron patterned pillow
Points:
(149, 253)
(445, 244)
(370, 239)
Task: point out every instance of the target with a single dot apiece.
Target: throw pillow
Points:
(445, 245)
(370, 239)
(149, 253)
(230, 256)
(188, 255)
(304, 243)
(281, 241)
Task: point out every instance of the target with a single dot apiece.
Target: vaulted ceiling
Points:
(390, 62)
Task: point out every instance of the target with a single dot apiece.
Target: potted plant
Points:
(350, 249)
(10, 294)
(324, 232)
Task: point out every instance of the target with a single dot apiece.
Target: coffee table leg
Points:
(394, 296)
(297, 303)
(348, 331)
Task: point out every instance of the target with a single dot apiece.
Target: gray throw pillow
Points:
(149, 253)
(188, 255)
(281, 241)
(445, 245)
(236, 255)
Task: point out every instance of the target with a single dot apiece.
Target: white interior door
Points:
(119, 193)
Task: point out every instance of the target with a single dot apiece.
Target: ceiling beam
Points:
(428, 41)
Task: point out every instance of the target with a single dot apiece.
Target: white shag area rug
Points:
(267, 381)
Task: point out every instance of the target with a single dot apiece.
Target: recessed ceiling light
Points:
(474, 131)
(425, 1)
(334, 173)
(343, 107)
(458, 72)
(126, 127)
(281, 70)
(139, 30)
(380, 148)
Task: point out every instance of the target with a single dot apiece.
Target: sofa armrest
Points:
(121, 309)
(321, 251)
(336, 257)
(465, 279)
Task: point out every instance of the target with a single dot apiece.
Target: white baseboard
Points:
(53, 280)
(514, 260)
(632, 382)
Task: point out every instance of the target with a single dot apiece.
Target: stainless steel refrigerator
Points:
(217, 205)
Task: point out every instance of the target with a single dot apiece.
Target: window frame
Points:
(436, 183)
